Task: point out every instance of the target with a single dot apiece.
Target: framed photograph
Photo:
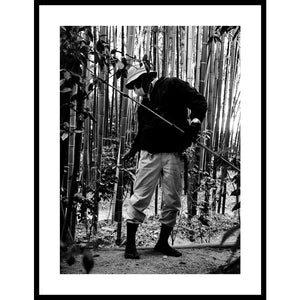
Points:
(150, 116)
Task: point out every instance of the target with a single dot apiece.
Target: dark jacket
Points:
(170, 98)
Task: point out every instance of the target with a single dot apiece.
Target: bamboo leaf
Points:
(83, 59)
(90, 34)
(79, 40)
(90, 87)
(118, 73)
(99, 60)
(67, 75)
(74, 98)
(93, 118)
(217, 39)
(236, 179)
(64, 136)
(85, 49)
(113, 61)
(236, 206)
(120, 65)
(237, 243)
(66, 125)
(66, 90)
(236, 33)
(210, 40)
(236, 192)
(223, 29)
(229, 233)
(100, 46)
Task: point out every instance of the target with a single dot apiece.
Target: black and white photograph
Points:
(149, 149)
(152, 149)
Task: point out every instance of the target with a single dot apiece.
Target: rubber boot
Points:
(130, 250)
(162, 244)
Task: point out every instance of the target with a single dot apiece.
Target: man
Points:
(161, 146)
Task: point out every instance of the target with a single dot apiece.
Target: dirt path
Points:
(195, 260)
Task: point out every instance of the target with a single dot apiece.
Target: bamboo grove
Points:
(98, 124)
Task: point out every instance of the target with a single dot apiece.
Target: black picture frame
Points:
(37, 133)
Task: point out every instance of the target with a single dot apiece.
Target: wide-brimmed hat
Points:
(134, 73)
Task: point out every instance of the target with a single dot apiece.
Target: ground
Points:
(195, 259)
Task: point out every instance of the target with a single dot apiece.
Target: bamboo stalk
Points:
(202, 87)
(71, 143)
(210, 99)
(86, 144)
(228, 119)
(154, 49)
(184, 53)
(106, 109)
(215, 91)
(198, 58)
(165, 52)
(147, 42)
(116, 187)
(189, 75)
(119, 196)
(177, 51)
(95, 112)
(219, 94)
(226, 80)
(112, 109)
(71, 208)
(230, 98)
(100, 133)
(203, 63)
(172, 39)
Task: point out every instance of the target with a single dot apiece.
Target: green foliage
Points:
(233, 158)
(214, 38)
(77, 49)
(231, 232)
(76, 46)
(108, 176)
(235, 30)
(186, 229)
(105, 236)
(121, 68)
(198, 230)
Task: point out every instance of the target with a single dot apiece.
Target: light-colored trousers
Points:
(150, 168)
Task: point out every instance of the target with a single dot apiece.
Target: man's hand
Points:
(192, 131)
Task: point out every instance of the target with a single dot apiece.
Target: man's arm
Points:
(198, 106)
(194, 100)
